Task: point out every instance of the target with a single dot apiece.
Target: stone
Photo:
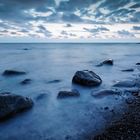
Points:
(11, 104)
(86, 78)
(26, 81)
(13, 72)
(65, 94)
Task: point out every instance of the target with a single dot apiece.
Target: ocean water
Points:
(71, 118)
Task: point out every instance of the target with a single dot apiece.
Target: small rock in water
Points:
(106, 108)
(128, 70)
(11, 104)
(65, 94)
(125, 84)
(106, 62)
(25, 49)
(13, 72)
(86, 78)
(41, 96)
(129, 101)
(54, 81)
(138, 63)
(103, 93)
(26, 81)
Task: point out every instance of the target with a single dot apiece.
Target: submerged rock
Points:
(128, 70)
(11, 104)
(13, 72)
(65, 94)
(125, 84)
(53, 81)
(86, 78)
(106, 62)
(41, 96)
(103, 93)
(26, 81)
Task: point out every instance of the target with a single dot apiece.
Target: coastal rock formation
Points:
(65, 94)
(11, 104)
(13, 72)
(104, 93)
(106, 62)
(86, 78)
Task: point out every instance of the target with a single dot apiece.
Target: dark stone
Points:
(106, 62)
(103, 93)
(26, 81)
(106, 108)
(54, 81)
(129, 101)
(65, 94)
(125, 84)
(11, 104)
(13, 72)
(25, 49)
(128, 70)
(86, 78)
(138, 63)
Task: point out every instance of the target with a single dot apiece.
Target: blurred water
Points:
(68, 118)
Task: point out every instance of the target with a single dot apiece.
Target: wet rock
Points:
(106, 108)
(25, 82)
(129, 101)
(138, 63)
(103, 93)
(106, 62)
(41, 96)
(53, 81)
(65, 94)
(125, 84)
(11, 104)
(86, 78)
(128, 70)
(13, 72)
(25, 49)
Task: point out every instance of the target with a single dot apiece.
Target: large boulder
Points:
(13, 72)
(65, 94)
(11, 104)
(86, 78)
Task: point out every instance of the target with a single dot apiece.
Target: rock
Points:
(25, 49)
(65, 94)
(106, 62)
(103, 93)
(106, 108)
(11, 104)
(26, 81)
(13, 72)
(138, 63)
(86, 78)
(128, 70)
(41, 96)
(129, 101)
(125, 84)
(54, 81)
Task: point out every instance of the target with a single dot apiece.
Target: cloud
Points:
(68, 25)
(97, 30)
(124, 33)
(44, 31)
(136, 27)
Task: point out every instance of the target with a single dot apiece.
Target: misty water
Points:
(71, 118)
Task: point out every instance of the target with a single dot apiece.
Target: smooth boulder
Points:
(25, 82)
(11, 104)
(65, 94)
(13, 72)
(86, 78)
(109, 62)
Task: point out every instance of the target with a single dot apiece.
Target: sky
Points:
(69, 20)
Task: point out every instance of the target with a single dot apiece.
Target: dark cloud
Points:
(136, 27)
(68, 25)
(97, 30)
(44, 31)
(124, 33)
